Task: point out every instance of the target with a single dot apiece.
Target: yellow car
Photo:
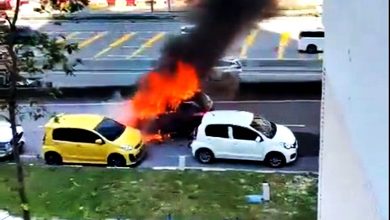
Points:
(89, 138)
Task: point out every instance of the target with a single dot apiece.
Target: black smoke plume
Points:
(218, 22)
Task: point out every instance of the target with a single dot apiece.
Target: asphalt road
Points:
(302, 117)
(127, 40)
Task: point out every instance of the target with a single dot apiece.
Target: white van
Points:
(311, 41)
(231, 134)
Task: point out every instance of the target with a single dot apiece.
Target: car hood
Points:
(130, 136)
(284, 135)
(6, 132)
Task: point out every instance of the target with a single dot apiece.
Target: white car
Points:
(186, 29)
(311, 41)
(227, 65)
(230, 134)
(6, 137)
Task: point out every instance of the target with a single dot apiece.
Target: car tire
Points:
(204, 155)
(53, 158)
(116, 160)
(311, 48)
(275, 160)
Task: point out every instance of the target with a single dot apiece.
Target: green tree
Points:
(26, 55)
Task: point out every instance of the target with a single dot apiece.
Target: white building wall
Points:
(354, 163)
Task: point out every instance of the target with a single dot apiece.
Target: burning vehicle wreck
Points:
(179, 122)
(165, 100)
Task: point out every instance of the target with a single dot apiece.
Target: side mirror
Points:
(99, 141)
(258, 139)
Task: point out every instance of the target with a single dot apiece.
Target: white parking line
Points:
(28, 156)
(295, 125)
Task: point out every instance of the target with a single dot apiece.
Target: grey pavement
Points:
(303, 117)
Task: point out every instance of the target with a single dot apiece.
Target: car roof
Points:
(83, 121)
(233, 117)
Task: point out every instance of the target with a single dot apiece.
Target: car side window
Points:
(242, 133)
(217, 131)
(74, 135)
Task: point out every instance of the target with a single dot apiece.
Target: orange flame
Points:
(162, 90)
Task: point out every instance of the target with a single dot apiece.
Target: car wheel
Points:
(116, 160)
(311, 48)
(52, 158)
(204, 155)
(275, 160)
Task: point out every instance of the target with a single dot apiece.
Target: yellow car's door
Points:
(90, 147)
(66, 144)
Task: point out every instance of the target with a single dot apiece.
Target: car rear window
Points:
(217, 131)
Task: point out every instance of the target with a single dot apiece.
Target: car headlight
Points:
(288, 146)
(126, 147)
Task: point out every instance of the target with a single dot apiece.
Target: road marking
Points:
(283, 43)
(294, 125)
(248, 42)
(92, 39)
(116, 43)
(68, 37)
(147, 44)
(29, 156)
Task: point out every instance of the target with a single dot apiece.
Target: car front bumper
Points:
(133, 159)
(5, 153)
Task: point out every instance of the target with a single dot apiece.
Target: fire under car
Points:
(183, 121)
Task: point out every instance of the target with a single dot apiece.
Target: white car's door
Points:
(246, 144)
(218, 139)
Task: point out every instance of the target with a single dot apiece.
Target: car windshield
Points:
(110, 129)
(264, 126)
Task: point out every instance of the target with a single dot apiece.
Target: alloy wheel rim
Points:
(275, 161)
(205, 156)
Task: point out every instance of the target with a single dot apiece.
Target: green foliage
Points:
(93, 193)
(37, 52)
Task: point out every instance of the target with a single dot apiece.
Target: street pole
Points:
(151, 2)
(169, 5)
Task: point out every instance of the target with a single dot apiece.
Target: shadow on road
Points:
(308, 144)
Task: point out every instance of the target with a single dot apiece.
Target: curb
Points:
(177, 168)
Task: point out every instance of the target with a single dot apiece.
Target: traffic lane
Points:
(304, 115)
(299, 114)
(82, 79)
(168, 155)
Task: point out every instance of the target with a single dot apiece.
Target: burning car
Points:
(182, 121)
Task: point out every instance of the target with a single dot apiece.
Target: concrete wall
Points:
(354, 161)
